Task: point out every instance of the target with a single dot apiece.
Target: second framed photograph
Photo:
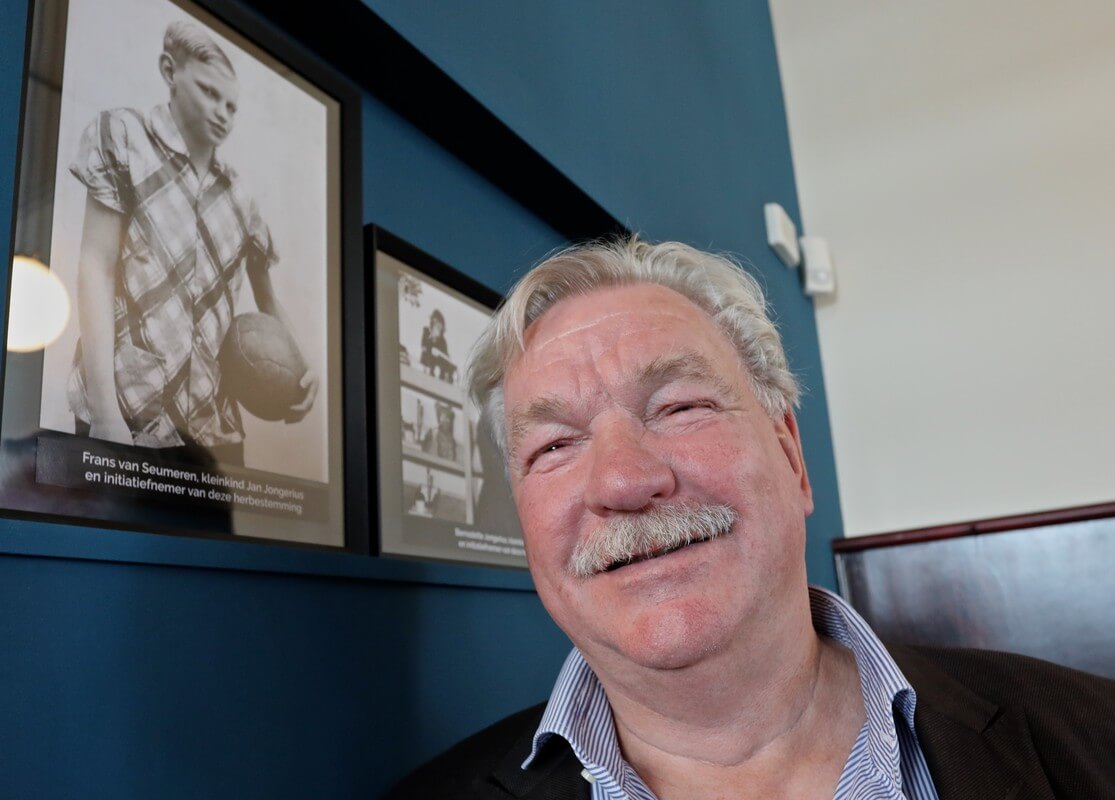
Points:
(188, 221)
(443, 491)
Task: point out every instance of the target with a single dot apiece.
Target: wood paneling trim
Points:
(976, 527)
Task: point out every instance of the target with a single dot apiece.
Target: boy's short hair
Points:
(184, 40)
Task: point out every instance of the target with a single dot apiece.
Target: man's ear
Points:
(167, 68)
(790, 439)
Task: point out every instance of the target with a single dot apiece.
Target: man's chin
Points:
(669, 658)
(672, 636)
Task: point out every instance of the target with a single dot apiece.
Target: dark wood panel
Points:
(1013, 522)
(1043, 591)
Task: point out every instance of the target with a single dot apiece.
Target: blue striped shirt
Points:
(886, 761)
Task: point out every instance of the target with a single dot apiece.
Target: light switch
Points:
(782, 234)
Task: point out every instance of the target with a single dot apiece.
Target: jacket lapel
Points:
(554, 774)
(975, 749)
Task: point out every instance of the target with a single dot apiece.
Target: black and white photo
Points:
(442, 491)
(195, 223)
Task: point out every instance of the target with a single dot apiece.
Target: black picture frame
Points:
(441, 488)
(44, 469)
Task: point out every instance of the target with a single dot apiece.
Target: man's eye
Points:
(545, 450)
(550, 448)
(679, 408)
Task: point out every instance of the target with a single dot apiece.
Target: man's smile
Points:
(631, 538)
(653, 554)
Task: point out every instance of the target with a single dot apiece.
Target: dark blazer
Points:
(993, 726)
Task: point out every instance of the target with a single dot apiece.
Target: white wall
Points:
(960, 158)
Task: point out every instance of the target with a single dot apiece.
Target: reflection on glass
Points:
(40, 306)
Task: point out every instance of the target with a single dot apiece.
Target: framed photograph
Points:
(443, 491)
(187, 260)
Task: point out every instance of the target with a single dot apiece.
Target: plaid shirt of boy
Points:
(186, 238)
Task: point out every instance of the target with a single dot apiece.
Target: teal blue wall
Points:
(669, 115)
(124, 674)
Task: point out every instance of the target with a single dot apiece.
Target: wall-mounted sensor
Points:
(819, 276)
(782, 234)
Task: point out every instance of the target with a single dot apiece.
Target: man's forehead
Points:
(648, 374)
(630, 339)
(617, 309)
(540, 401)
(547, 333)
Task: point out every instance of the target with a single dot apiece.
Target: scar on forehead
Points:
(597, 320)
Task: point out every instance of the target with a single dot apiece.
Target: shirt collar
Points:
(579, 712)
(886, 691)
(162, 125)
(578, 709)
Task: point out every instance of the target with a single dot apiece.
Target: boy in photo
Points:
(435, 350)
(168, 234)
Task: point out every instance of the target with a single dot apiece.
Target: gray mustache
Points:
(626, 537)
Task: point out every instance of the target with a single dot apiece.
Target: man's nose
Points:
(626, 473)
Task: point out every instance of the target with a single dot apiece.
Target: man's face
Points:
(630, 398)
(204, 99)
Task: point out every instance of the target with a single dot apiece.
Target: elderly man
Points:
(644, 405)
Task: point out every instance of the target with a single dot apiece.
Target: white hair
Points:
(716, 283)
